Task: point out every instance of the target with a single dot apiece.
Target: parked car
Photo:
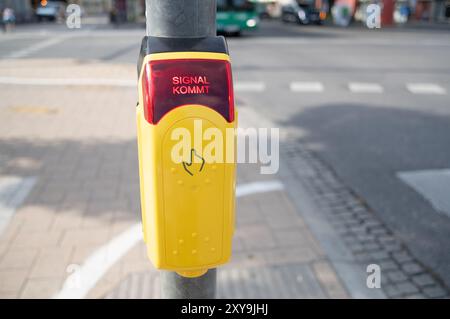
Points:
(50, 10)
(302, 12)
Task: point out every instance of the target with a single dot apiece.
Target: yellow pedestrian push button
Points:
(186, 125)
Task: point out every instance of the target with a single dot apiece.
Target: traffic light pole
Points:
(174, 286)
(183, 19)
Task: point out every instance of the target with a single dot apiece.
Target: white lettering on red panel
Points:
(190, 85)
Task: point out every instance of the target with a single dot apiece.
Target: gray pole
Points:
(173, 286)
(183, 19)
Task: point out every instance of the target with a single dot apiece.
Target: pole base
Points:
(174, 286)
(192, 273)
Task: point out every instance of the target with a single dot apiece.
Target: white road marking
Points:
(425, 88)
(258, 187)
(36, 47)
(361, 87)
(86, 276)
(67, 82)
(249, 86)
(433, 185)
(13, 191)
(299, 87)
(436, 42)
(306, 87)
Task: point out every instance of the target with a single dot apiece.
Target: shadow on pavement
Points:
(98, 179)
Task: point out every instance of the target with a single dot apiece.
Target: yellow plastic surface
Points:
(187, 209)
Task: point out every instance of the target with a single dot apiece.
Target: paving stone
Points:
(363, 257)
(329, 280)
(8, 295)
(423, 280)
(67, 219)
(12, 280)
(387, 265)
(18, 259)
(402, 257)
(387, 239)
(392, 291)
(292, 237)
(396, 276)
(52, 262)
(356, 247)
(257, 237)
(37, 239)
(407, 288)
(435, 292)
(36, 218)
(412, 268)
(41, 288)
(358, 230)
(378, 231)
(366, 238)
(349, 238)
(372, 246)
(392, 247)
(415, 296)
(82, 237)
(351, 223)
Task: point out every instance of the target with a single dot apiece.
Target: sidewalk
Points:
(77, 143)
(274, 255)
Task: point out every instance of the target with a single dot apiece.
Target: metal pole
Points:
(173, 286)
(183, 19)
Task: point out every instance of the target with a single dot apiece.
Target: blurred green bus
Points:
(235, 16)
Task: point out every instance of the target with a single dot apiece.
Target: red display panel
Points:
(168, 84)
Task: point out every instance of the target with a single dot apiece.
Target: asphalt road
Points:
(370, 103)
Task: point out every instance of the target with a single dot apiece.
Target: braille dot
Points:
(180, 182)
(175, 252)
(214, 167)
(181, 241)
(194, 252)
(207, 181)
(213, 249)
(194, 235)
(207, 239)
(173, 169)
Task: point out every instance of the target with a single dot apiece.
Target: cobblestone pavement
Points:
(369, 240)
(78, 145)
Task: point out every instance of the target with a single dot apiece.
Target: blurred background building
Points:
(125, 10)
(120, 11)
(23, 9)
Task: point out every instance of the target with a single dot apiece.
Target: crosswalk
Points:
(306, 87)
(425, 88)
(352, 87)
(417, 88)
(359, 87)
(249, 86)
